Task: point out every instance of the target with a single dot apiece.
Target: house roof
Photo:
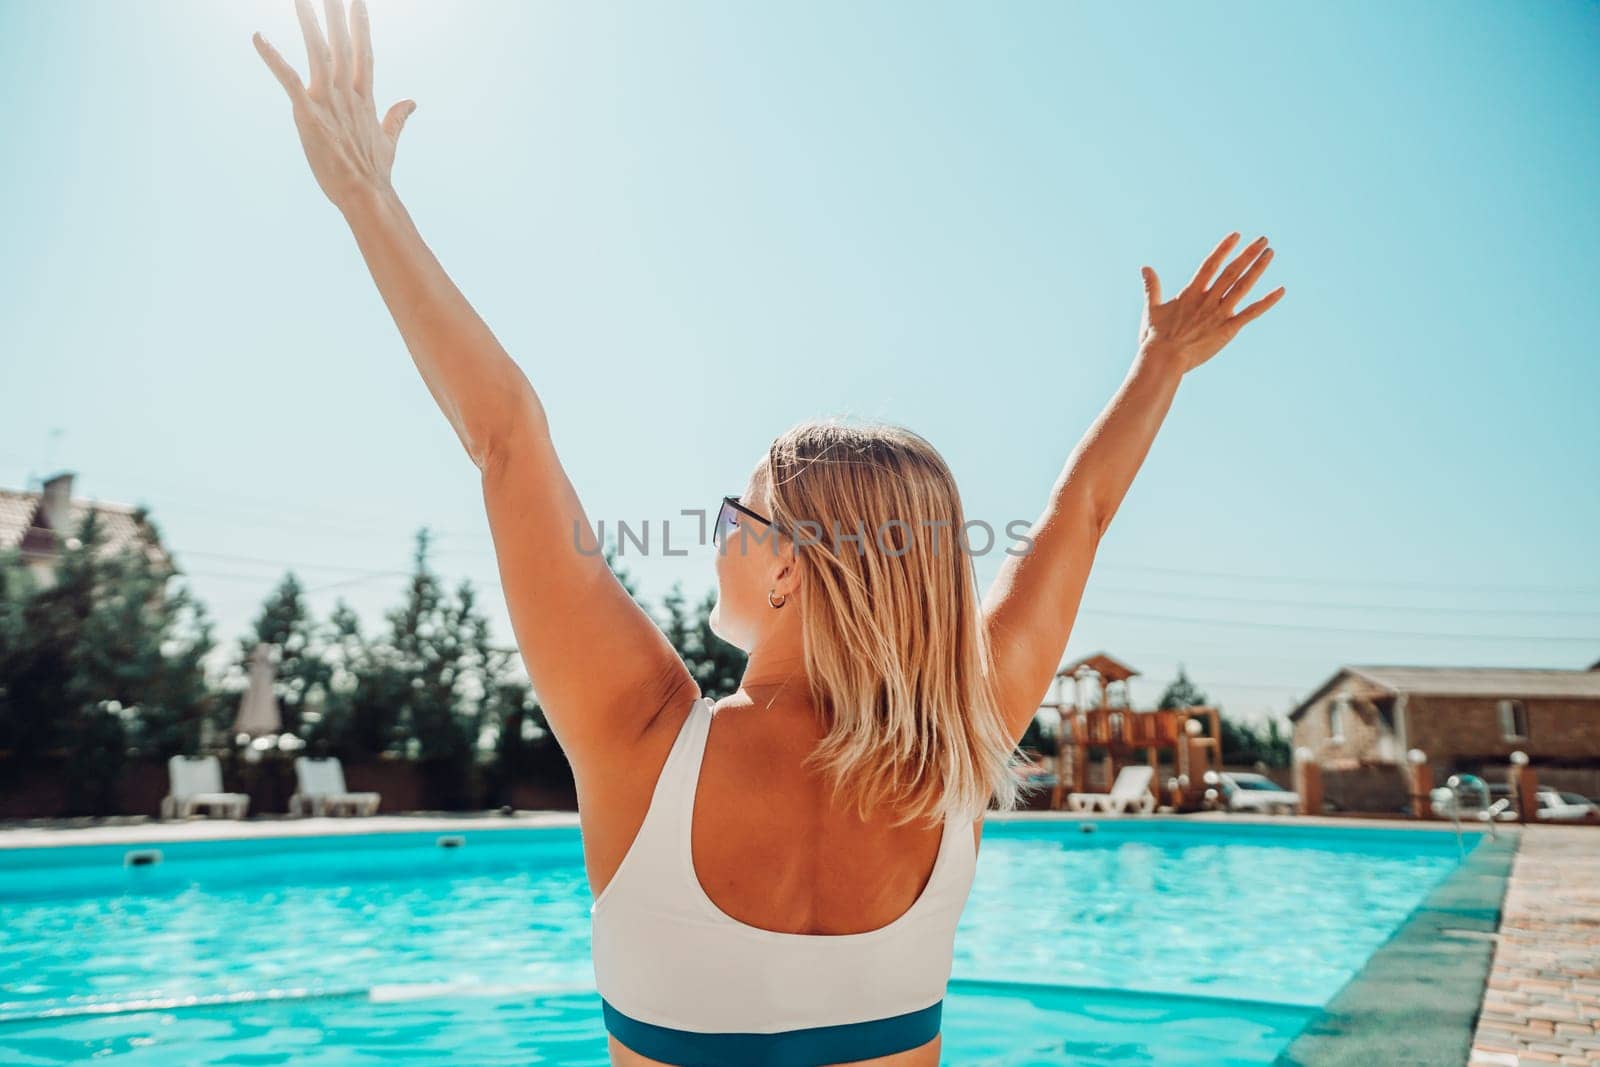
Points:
(23, 525)
(1468, 682)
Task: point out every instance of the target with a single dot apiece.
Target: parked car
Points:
(1256, 792)
(1553, 805)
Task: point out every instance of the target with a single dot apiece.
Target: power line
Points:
(1255, 624)
(344, 527)
(364, 526)
(1349, 581)
(265, 562)
(1276, 687)
(361, 577)
(357, 581)
(375, 525)
(1117, 590)
(380, 524)
(1171, 595)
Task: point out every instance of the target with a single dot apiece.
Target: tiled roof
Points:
(1469, 682)
(118, 523)
(16, 515)
(1485, 681)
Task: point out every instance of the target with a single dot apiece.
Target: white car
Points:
(1257, 792)
(1554, 805)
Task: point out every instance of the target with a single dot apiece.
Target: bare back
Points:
(770, 847)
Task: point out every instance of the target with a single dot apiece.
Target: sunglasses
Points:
(728, 519)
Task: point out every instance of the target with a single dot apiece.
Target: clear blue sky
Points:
(696, 224)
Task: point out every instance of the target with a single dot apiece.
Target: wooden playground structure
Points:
(1092, 705)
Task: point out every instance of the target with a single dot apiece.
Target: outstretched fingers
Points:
(1202, 277)
(286, 75)
(361, 43)
(339, 43)
(1247, 258)
(1239, 288)
(1255, 311)
(318, 58)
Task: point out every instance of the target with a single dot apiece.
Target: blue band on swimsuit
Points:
(812, 1047)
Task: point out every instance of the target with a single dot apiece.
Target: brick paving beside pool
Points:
(1542, 1004)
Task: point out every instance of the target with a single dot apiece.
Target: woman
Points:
(778, 874)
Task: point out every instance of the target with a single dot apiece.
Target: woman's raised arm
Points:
(1030, 609)
(598, 663)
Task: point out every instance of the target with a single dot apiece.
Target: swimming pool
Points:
(1158, 941)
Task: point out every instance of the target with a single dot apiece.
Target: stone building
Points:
(38, 523)
(1361, 722)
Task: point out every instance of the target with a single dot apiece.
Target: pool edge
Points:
(1416, 1000)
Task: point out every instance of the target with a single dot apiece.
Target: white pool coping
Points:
(203, 829)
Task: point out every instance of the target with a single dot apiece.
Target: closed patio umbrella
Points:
(258, 711)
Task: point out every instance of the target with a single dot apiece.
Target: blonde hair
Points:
(895, 649)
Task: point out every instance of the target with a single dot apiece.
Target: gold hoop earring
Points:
(780, 602)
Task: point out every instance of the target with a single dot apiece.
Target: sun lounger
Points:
(197, 784)
(1129, 793)
(320, 790)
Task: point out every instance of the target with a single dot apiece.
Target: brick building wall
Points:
(1466, 731)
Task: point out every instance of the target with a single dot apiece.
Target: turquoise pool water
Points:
(1143, 942)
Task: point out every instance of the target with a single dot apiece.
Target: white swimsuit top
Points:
(684, 983)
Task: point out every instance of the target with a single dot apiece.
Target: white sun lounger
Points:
(197, 784)
(321, 791)
(1129, 793)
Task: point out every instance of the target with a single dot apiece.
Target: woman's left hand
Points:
(1195, 325)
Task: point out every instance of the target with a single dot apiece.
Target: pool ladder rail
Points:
(1450, 796)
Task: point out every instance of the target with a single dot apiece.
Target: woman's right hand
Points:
(351, 153)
